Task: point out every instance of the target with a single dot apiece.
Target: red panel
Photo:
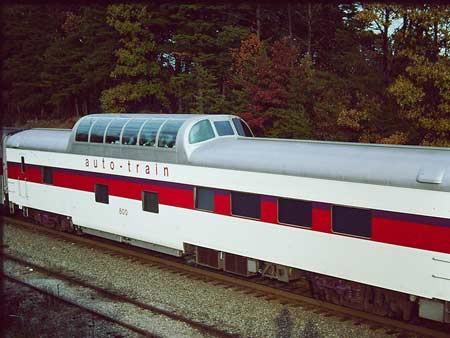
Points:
(72, 181)
(414, 235)
(269, 211)
(32, 173)
(321, 220)
(222, 203)
(13, 171)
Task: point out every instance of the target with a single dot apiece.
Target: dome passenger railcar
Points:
(372, 220)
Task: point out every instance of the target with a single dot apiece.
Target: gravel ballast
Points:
(226, 309)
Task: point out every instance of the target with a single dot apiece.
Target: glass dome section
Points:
(82, 133)
(168, 135)
(98, 130)
(131, 131)
(149, 133)
(114, 130)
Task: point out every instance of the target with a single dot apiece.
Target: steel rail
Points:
(83, 308)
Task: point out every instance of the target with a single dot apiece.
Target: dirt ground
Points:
(27, 313)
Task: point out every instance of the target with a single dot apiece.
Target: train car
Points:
(368, 225)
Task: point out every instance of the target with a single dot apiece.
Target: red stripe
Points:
(413, 235)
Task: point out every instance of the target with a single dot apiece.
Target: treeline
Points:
(355, 72)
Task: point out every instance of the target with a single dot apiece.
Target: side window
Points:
(204, 199)
(149, 132)
(101, 193)
(294, 212)
(47, 175)
(242, 128)
(98, 130)
(113, 131)
(150, 201)
(22, 164)
(246, 205)
(131, 131)
(352, 221)
(223, 128)
(201, 131)
(168, 134)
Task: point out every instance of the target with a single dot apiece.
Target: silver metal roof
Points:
(403, 166)
(41, 139)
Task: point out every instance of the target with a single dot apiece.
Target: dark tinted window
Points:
(101, 193)
(47, 175)
(83, 130)
(113, 131)
(98, 130)
(168, 134)
(242, 128)
(352, 221)
(201, 131)
(130, 132)
(223, 128)
(247, 205)
(148, 133)
(150, 201)
(204, 199)
(295, 212)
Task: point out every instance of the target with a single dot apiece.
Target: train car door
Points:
(22, 182)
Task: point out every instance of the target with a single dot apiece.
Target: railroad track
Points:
(103, 294)
(292, 296)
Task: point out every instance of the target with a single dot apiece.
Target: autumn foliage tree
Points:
(268, 74)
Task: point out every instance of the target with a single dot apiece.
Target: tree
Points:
(28, 31)
(423, 98)
(137, 73)
(268, 75)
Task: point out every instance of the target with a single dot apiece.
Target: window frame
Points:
(243, 216)
(98, 185)
(213, 201)
(143, 194)
(290, 224)
(47, 170)
(348, 234)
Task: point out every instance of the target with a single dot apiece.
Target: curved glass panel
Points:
(113, 131)
(82, 133)
(242, 128)
(223, 128)
(168, 134)
(149, 132)
(98, 130)
(131, 131)
(201, 131)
